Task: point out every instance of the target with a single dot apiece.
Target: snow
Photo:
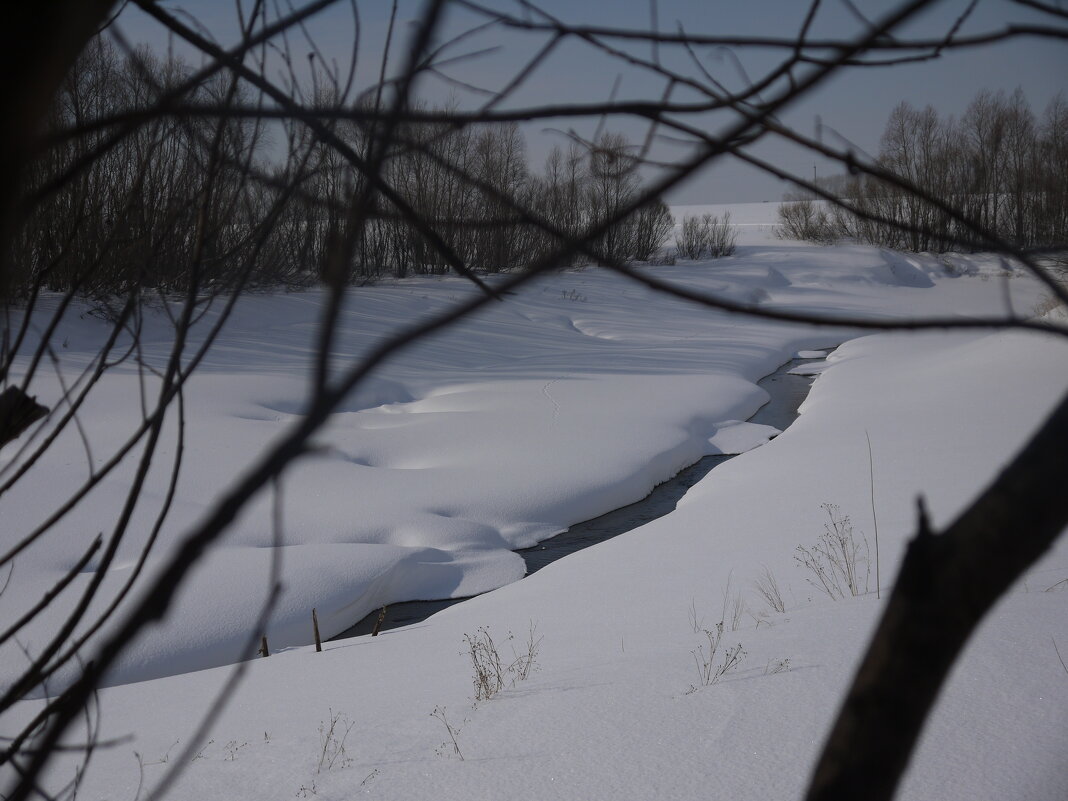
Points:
(571, 398)
(737, 436)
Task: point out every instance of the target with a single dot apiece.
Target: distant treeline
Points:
(1005, 168)
(127, 206)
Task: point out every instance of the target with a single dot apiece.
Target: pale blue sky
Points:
(855, 104)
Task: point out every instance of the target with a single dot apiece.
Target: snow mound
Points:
(735, 436)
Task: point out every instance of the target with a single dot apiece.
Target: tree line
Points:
(132, 215)
(999, 165)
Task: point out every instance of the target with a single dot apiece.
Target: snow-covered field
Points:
(573, 397)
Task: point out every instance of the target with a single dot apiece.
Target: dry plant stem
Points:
(768, 587)
(707, 670)
(733, 606)
(525, 661)
(332, 742)
(874, 517)
(490, 671)
(832, 561)
(439, 713)
(696, 623)
(486, 662)
(948, 580)
(1059, 657)
(776, 666)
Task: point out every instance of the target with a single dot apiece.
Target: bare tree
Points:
(340, 188)
(987, 164)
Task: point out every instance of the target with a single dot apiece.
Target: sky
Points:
(850, 108)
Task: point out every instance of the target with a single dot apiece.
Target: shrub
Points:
(709, 672)
(649, 227)
(719, 235)
(837, 559)
(688, 244)
(705, 236)
(803, 219)
(490, 672)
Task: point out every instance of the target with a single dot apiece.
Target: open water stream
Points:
(786, 391)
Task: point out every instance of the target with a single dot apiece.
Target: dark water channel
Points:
(786, 393)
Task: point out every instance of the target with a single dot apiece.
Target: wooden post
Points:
(378, 623)
(315, 628)
(263, 647)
